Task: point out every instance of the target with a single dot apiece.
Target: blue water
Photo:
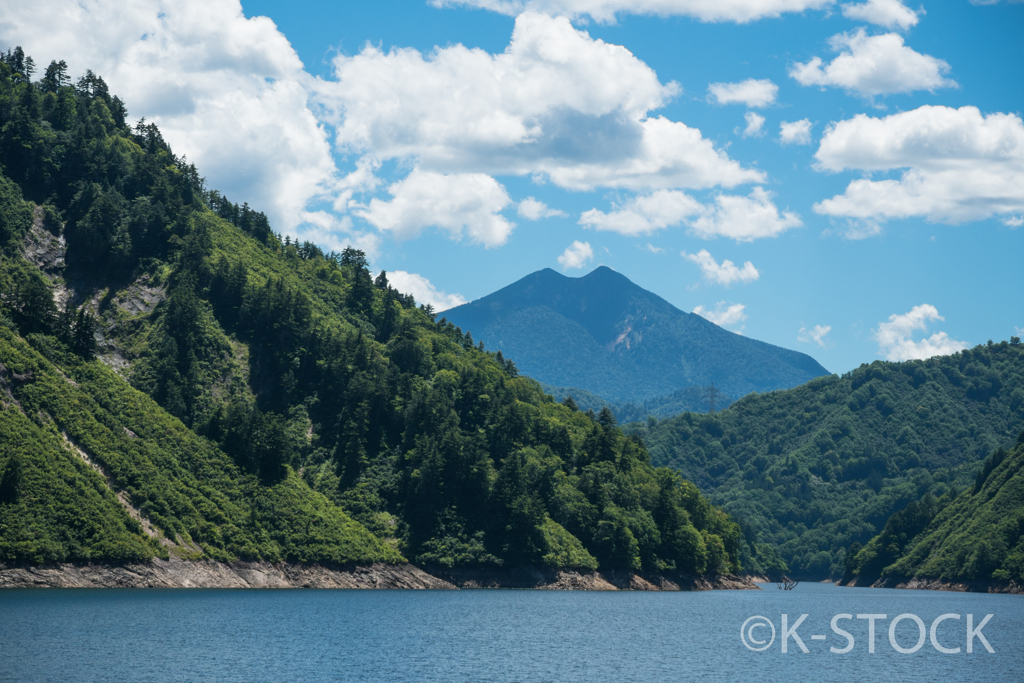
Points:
(490, 635)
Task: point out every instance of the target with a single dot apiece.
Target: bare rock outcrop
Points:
(176, 573)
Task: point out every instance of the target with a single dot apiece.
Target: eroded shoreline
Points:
(176, 573)
(1010, 588)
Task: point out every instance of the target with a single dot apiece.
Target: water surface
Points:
(490, 635)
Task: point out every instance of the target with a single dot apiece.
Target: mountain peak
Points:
(604, 333)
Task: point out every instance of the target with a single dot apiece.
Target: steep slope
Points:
(816, 468)
(246, 396)
(976, 538)
(604, 334)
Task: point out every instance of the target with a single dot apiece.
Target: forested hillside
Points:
(691, 399)
(814, 469)
(176, 378)
(977, 536)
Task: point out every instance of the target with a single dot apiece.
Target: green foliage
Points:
(690, 399)
(814, 469)
(186, 487)
(976, 536)
(284, 404)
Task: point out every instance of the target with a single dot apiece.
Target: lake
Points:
(497, 635)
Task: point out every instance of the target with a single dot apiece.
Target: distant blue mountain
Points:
(604, 334)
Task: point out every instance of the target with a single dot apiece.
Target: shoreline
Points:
(1007, 588)
(176, 573)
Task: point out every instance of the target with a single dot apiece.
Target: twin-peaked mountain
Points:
(604, 334)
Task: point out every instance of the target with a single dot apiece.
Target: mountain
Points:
(690, 399)
(814, 469)
(606, 335)
(176, 380)
(976, 538)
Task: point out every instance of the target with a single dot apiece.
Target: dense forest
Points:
(815, 469)
(177, 379)
(690, 399)
(977, 536)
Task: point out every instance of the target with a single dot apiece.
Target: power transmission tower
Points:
(712, 397)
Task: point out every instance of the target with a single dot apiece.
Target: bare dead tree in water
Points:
(786, 583)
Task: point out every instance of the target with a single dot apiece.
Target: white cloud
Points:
(795, 132)
(461, 204)
(533, 209)
(755, 124)
(743, 219)
(228, 92)
(751, 92)
(724, 274)
(895, 340)
(874, 65)
(1013, 221)
(576, 255)
(888, 13)
(960, 165)
(724, 316)
(815, 335)
(605, 11)
(556, 104)
(335, 233)
(654, 250)
(645, 214)
(423, 291)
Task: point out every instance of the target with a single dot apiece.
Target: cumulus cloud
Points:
(815, 335)
(755, 124)
(725, 273)
(960, 165)
(576, 255)
(1013, 221)
(751, 92)
(334, 233)
(605, 11)
(227, 91)
(645, 214)
(795, 132)
(723, 315)
(463, 204)
(423, 290)
(533, 209)
(874, 65)
(555, 104)
(743, 219)
(887, 13)
(895, 338)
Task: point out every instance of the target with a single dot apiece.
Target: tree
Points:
(56, 76)
(10, 483)
(83, 334)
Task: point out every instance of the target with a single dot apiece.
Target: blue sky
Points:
(465, 147)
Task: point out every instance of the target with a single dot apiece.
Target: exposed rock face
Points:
(955, 586)
(176, 573)
(551, 579)
(183, 574)
(939, 585)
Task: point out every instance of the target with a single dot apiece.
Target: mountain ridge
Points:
(604, 333)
